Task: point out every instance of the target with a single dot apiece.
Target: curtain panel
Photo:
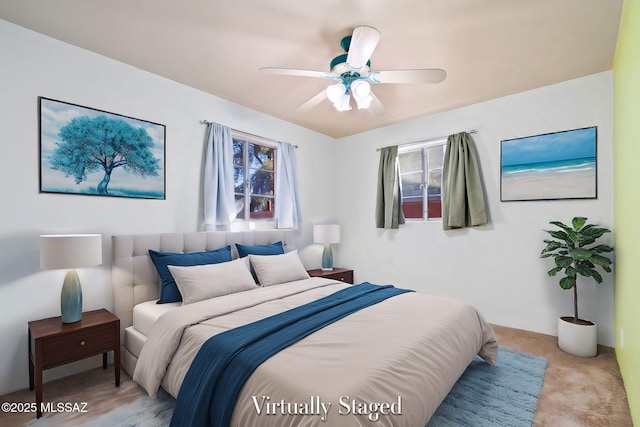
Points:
(219, 201)
(389, 213)
(462, 194)
(287, 209)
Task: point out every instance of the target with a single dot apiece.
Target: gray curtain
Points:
(288, 213)
(462, 194)
(219, 201)
(389, 200)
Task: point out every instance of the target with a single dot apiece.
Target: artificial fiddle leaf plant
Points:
(575, 251)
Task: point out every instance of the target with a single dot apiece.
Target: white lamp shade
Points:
(335, 92)
(326, 233)
(70, 250)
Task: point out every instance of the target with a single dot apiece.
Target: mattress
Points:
(146, 314)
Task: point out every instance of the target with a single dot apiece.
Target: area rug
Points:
(485, 395)
(502, 395)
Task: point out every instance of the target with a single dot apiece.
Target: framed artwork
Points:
(92, 152)
(559, 165)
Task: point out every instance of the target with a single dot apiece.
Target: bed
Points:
(391, 363)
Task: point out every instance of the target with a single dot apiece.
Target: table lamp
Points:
(70, 251)
(326, 234)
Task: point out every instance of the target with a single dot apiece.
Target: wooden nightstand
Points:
(342, 274)
(53, 343)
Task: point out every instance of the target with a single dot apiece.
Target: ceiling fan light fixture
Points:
(344, 104)
(335, 92)
(361, 91)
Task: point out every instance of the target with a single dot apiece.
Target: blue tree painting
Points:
(88, 146)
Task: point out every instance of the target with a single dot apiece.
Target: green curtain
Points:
(462, 194)
(389, 200)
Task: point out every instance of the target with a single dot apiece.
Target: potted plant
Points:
(575, 252)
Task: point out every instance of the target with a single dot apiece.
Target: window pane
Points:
(435, 156)
(412, 181)
(261, 208)
(238, 157)
(261, 182)
(239, 207)
(412, 207)
(435, 209)
(410, 161)
(238, 180)
(261, 157)
(411, 184)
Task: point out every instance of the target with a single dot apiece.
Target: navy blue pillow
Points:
(273, 249)
(168, 289)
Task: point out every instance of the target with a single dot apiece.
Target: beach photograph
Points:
(560, 165)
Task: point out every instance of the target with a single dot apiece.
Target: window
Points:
(254, 161)
(421, 179)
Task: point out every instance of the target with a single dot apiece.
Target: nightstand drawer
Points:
(342, 274)
(345, 276)
(77, 345)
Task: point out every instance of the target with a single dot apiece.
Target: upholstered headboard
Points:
(135, 279)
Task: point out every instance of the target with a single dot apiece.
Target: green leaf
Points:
(567, 283)
(578, 222)
(558, 234)
(561, 225)
(584, 270)
(596, 232)
(597, 277)
(552, 246)
(580, 254)
(600, 260)
(570, 271)
(547, 255)
(601, 248)
(563, 261)
(554, 271)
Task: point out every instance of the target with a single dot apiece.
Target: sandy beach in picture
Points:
(577, 184)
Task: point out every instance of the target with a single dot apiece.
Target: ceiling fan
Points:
(353, 72)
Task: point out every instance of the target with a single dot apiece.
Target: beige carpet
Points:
(576, 391)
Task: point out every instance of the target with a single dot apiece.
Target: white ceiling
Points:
(489, 48)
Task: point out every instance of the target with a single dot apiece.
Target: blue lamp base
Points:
(327, 258)
(71, 298)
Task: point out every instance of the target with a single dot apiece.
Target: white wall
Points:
(495, 267)
(34, 65)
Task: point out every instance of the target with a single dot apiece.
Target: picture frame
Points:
(87, 151)
(550, 166)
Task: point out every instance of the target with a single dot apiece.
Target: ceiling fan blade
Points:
(434, 75)
(300, 73)
(317, 99)
(376, 106)
(363, 42)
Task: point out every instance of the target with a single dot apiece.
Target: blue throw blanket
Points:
(225, 362)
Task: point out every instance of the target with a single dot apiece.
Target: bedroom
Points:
(35, 65)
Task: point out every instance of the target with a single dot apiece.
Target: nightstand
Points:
(341, 274)
(53, 343)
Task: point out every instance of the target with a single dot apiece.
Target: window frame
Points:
(246, 167)
(423, 147)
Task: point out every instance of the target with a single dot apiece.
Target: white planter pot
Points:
(579, 340)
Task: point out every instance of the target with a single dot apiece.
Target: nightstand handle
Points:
(82, 342)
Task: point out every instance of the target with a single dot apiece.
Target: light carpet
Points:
(485, 395)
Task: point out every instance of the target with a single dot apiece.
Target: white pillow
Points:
(276, 269)
(199, 282)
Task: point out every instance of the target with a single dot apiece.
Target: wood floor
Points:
(576, 392)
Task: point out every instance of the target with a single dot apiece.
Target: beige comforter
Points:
(390, 364)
